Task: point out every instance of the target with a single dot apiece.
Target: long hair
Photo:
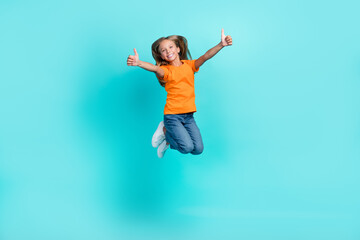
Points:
(179, 41)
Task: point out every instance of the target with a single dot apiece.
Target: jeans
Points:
(183, 134)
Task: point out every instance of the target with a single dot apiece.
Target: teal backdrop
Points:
(279, 113)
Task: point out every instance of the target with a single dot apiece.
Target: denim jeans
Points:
(182, 133)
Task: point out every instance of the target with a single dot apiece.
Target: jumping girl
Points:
(175, 72)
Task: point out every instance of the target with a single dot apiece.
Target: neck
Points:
(176, 62)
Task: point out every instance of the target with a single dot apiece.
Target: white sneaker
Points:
(162, 148)
(158, 136)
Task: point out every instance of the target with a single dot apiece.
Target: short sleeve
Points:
(192, 64)
(166, 73)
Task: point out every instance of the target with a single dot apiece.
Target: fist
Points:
(225, 40)
(133, 60)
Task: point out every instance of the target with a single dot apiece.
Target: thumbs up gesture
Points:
(133, 60)
(225, 40)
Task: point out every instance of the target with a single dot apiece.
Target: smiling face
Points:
(168, 50)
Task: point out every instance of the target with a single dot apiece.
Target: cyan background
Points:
(279, 112)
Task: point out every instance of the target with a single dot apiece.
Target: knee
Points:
(197, 150)
(187, 148)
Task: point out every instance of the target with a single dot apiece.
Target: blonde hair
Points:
(179, 41)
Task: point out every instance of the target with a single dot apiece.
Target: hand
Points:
(225, 40)
(133, 60)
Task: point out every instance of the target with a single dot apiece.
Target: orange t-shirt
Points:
(180, 87)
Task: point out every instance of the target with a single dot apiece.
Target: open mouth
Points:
(170, 56)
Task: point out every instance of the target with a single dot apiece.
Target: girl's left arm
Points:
(225, 41)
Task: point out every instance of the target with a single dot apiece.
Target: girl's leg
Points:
(194, 132)
(176, 134)
(164, 130)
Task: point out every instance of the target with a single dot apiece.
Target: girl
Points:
(175, 72)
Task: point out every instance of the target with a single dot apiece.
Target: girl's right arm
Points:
(133, 60)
